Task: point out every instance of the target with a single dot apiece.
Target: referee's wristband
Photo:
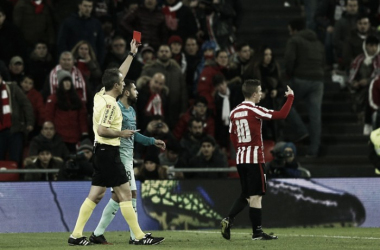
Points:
(131, 54)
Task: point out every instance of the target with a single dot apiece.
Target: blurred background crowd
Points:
(188, 72)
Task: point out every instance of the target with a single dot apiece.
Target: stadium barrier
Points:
(194, 204)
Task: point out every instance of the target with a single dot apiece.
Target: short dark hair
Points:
(194, 119)
(220, 51)
(249, 87)
(128, 85)
(297, 24)
(81, 1)
(218, 79)
(110, 77)
(209, 139)
(240, 45)
(362, 16)
(201, 99)
(372, 40)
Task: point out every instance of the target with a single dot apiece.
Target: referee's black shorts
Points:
(109, 171)
(252, 179)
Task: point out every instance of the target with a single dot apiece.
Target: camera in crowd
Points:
(77, 167)
(283, 155)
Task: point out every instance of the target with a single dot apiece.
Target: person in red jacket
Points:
(205, 85)
(198, 110)
(37, 101)
(67, 111)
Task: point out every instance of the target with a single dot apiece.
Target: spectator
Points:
(209, 157)
(78, 166)
(327, 14)
(268, 71)
(16, 119)
(149, 20)
(44, 160)
(193, 58)
(240, 62)
(81, 26)
(171, 158)
(152, 99)
(48, 136)
(198, 110)
(117, 55)
(353, 45)
(216, 20)
(205, 86)
(179, 18)
(304, 60)
(363, 70)
(35, 21)
(284, 163)
(151, 169)
(177, 100)
(66, 63)
(68, 113)
(191, 142)
(344, 26)
(158, 129)
(85, 60)
(9, 32)
(109, 31)
(175, 43)
(207, 58)
(16, 69)
(40, 64)
(147, 55)
(35, 98)
(223, 94)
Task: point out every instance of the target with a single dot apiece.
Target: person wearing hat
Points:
(147, 54)
(16, 69)
(198, 110)
(171, 158)
(67, 111)
(175, 43)
(44, 160)
(151, 169)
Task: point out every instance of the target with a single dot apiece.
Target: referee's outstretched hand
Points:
(289, 92)
(126, 133)
(134, 45)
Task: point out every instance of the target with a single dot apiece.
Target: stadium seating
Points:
(9, 165)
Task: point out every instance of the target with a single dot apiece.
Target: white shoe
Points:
(367, 129)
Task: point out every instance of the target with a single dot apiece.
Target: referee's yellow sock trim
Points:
(131, 218)
(85, 212)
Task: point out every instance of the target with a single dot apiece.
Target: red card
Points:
(137, 36)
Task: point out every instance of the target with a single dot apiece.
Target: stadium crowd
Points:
(188, 73)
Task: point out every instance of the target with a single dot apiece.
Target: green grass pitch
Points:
(289, 238)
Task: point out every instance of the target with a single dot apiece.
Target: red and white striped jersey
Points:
(245, 129)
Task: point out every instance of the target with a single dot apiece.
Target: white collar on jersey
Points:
(249, 102)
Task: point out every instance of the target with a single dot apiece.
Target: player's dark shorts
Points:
(252, 179)
(109, 171)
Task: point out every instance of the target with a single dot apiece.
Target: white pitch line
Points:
(289, 235)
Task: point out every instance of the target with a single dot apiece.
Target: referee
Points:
(109, 171)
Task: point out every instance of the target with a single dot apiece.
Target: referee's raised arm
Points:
(124, 68)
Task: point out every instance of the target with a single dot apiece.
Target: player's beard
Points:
(132, 100)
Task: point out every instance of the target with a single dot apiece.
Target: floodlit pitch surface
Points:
(289, 238)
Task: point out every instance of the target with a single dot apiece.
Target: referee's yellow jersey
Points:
(108, 114)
